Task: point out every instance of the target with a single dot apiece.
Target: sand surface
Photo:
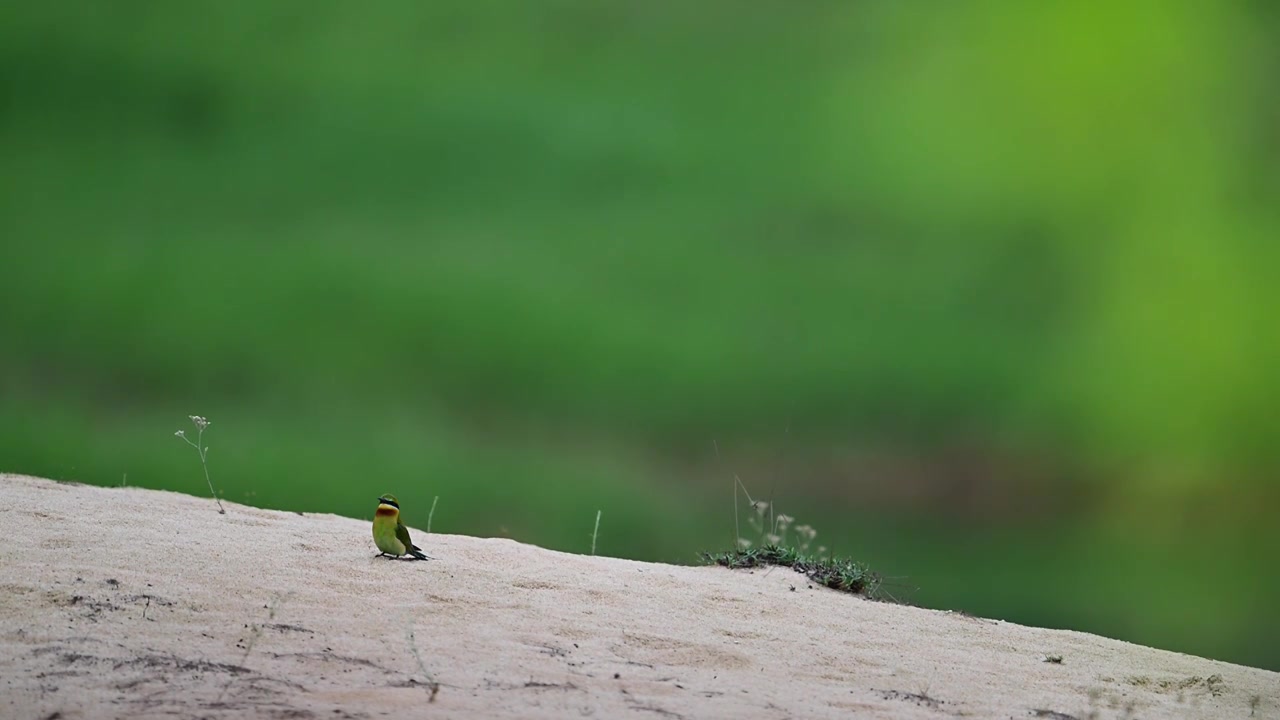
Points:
(122, 602)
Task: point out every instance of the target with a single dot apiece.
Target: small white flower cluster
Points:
(201, 424)
(774, 532)
(779, 533)
(805, 534)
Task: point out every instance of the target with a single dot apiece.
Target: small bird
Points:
(389, 534)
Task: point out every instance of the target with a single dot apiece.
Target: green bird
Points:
(389, 534)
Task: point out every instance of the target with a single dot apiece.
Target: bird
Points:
(389, 534)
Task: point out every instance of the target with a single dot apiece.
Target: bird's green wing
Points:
(402, 534)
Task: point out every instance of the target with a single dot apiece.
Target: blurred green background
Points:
(985, 292)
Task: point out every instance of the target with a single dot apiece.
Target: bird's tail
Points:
(417, 554)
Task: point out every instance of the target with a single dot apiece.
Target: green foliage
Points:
(836, 573)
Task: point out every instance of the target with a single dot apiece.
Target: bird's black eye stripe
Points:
(392, 503)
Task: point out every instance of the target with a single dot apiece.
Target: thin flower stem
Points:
(203, 452)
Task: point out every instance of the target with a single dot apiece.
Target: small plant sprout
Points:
(201, 425)
(595, 533)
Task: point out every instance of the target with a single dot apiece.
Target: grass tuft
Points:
(774, 548)
(836, 573)
(432, 513)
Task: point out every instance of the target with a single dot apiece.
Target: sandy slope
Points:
(137, 603)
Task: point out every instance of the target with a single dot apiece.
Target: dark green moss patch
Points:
(836, 573)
